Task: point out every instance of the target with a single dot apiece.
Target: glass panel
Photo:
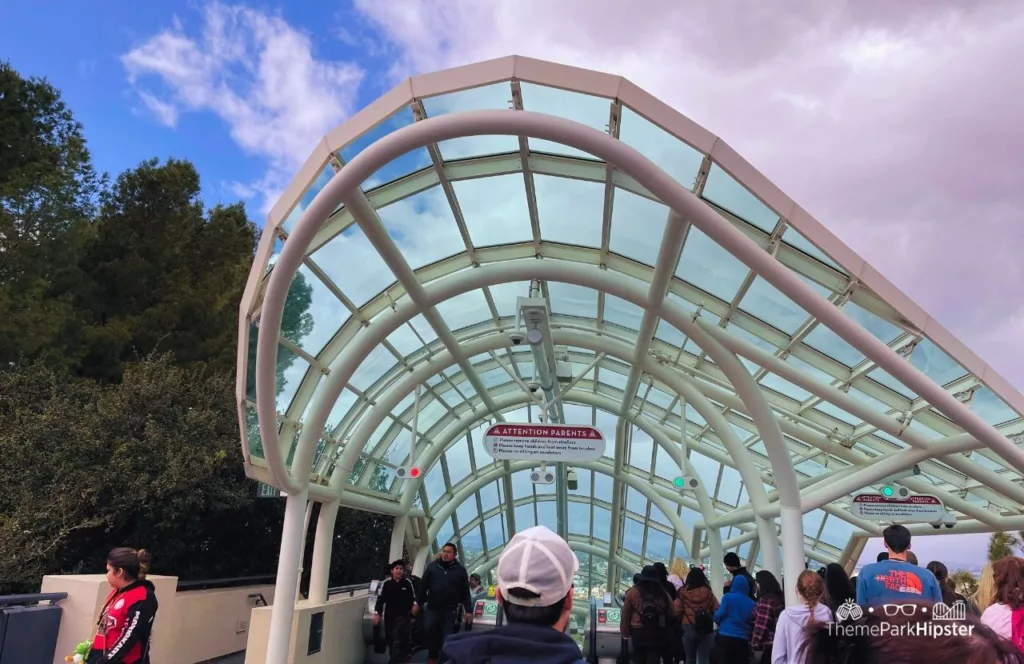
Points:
(635, 502)
(465, 310)
(729, 488)
(665, 466)
(335, 259)
(724, 191)
(491, 224)
(377, 363)
(579, 518)
(494, 528)
(488, 97)
(837, 413)
(409, 162)
(638, 225)
(406, 341)
(836, 532)
(322, 178)
(467, 512)
(795, 239)
(641, 450)
(312, 314)
(434, 484)
(991, 408)
(674, 156)
(622, 313)
(670, 334)
(470, 544)
(770, 305)
(659, 545)
(489, 496)
(657, 516)
(253, 432)
(572, 300)
(602, 486)
(522, 487)
(783, 386)
(632, 535)
(824, 340)
(291, 368)
(570, 211)
(934, 363)
(446, 532)
(882, 329)
(883, 377)
(546, 515)
(525, 517)
(609, 376)
(586, 109)
(505, 296)
(707, 469)
(423, 227)
(708, 266)
(602, 523)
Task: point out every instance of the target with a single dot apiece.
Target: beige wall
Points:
(190, 627)
(343, 633)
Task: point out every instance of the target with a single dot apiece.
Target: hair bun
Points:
(143, 557)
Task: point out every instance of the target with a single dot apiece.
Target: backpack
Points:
(652, 615)
(1017, 627)
(703, 621)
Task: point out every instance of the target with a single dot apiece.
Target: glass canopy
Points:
(473, 202)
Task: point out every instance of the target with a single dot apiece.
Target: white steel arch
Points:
(802, 377)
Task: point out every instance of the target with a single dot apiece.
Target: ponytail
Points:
(811, 588)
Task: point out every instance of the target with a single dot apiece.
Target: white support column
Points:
(287, 578)
(397, 549)
(320, 566)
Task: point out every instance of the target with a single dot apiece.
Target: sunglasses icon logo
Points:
(909, 610)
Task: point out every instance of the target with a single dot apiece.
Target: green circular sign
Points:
(614, 616)
(887, 491)
(490, 609)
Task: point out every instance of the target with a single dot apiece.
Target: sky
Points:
(895, 124)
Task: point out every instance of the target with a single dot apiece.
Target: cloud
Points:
(894, 123)
(256, 72)
(165, 113)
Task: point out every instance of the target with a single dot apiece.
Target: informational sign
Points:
(267, 491)
(925, 509)
(551, 443)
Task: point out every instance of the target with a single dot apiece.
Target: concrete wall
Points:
(190, 627)
(342, 640)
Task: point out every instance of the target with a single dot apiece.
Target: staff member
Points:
(443, 588)
(394, 602)
(126, 621)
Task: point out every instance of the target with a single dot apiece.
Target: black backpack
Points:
(651, 614)
(703, 621)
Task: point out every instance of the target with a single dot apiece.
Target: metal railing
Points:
(350, 590)
(591, 653)
(233, 582)
(35, 598)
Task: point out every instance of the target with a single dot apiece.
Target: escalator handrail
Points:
(592, 654)
(350, 589)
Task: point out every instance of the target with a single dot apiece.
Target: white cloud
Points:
(256, 72)
(165, 113)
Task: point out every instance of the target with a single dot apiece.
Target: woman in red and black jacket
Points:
(126, 621)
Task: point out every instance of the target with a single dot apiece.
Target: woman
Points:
(869, 640)
(696, 605)
(771, 601)
(795, 620)
(126, 621)
(1005, 616)
(648, 619)
(986, 592)
(949, 594)
(838, 589)
(734, 617)
(679, 572)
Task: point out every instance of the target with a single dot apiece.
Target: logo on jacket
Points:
(118, 604)
(849, 610)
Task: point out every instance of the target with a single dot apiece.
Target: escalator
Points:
(603, 641)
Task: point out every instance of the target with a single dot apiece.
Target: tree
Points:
(48, 192)
(1001, 545)
(964, 583)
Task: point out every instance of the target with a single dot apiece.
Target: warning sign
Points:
(551, 443)
(924, 509)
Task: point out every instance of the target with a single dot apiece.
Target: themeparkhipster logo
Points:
(939, 620)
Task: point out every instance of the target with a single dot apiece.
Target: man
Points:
(535, 588)
(444, 587)
(394, 602)
(895, 580)
(732, 563)
(476, 587)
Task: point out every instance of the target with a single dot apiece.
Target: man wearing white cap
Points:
(535, 587)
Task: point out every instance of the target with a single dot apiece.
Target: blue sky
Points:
(81, 47)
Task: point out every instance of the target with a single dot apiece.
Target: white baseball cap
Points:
(540, 561)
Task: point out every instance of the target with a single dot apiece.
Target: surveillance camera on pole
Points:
(516, 337)
(913, 471)
(948, 520)
(571, 480)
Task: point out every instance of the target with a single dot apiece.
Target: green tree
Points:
(1001, 545)
(964, 583)
(48, 192)
(161, 275)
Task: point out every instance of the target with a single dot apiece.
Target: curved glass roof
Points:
(474, 202)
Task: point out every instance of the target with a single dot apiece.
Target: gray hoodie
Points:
(789, 632)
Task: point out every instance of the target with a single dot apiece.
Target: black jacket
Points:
(512, 644)
(395, 598)
(444, 587)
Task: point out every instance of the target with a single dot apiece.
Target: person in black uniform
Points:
(395, 599)
(443, 589)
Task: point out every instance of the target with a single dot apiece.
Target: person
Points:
(1005, 616)
(476, 587)
(896, 580)
(535, 590)
(986, 592)
(853, 587)
(679, 572)
(394, 602)
(732, 563)
(696, 605)
(876, 638)
(648, 619)
(662, 572)
(949, 594)
(126, 620)
(734, 617)
(838, 588)
(791, 629)
(444, 587)
(770, 603)
(911, 557)
(882, 556)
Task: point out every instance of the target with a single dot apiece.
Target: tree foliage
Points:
(118, 343)
(964, 583)
(1001, 545)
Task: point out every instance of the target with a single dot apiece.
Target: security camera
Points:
(947, 520)
(516, 337)
(533, 386)
(571, 481)
(542, 476)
